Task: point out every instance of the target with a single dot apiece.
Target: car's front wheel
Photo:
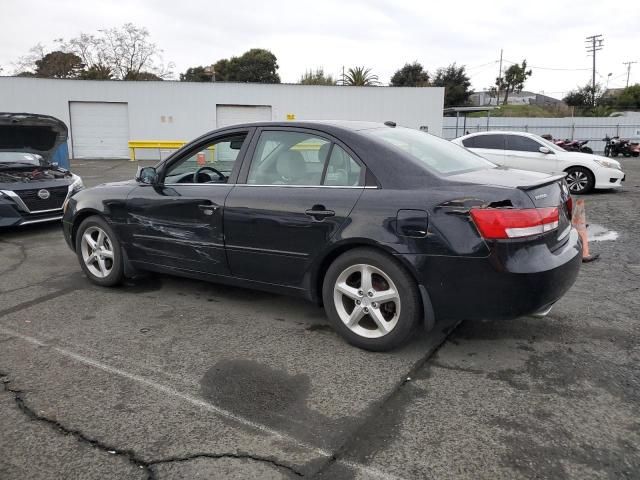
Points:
(372, 301)
(99, 252)
(580, 180)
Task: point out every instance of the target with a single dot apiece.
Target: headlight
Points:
(608, 164)
(77, 184)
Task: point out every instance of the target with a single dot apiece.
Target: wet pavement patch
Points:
(598, 233)
(271, 397)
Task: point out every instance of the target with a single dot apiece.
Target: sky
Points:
(380, 34)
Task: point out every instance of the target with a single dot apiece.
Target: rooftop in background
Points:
(521, 98)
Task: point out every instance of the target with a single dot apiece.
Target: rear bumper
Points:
(513, 281)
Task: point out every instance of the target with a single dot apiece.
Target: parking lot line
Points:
(372, 472)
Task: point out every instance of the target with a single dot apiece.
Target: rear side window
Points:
(490, 142)
(522, 144)
(342, 170)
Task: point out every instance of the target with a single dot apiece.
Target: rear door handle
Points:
(319, 212)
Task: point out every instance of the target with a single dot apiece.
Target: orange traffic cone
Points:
(579, 221)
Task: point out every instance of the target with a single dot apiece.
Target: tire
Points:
(107, 268)
(381, 325)
(586, 150)
(580, 180)
(635, 154)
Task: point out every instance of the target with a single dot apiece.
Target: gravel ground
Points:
(173, 378)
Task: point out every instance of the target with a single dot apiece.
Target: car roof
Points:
(350, 125)
(498, 132)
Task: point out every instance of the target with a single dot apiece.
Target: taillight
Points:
(570, 206)
(495, 223)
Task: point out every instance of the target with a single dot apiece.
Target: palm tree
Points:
(359, 77)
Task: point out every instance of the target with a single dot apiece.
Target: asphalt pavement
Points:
(170, 378)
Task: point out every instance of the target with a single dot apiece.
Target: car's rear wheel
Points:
(372, 301)
(580, 180)
(99, 252)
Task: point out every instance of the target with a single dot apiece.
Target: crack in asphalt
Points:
(217, 456)
(36, 301)
(129, 454)
(374, 412)
(33, 415)
(23, 254)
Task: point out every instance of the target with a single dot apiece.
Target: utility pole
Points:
(499, 78)
(628, 64)
(594, 43)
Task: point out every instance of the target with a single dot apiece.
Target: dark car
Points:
(385, 226)
(33, 189)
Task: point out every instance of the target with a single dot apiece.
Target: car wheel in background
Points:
(580, 180)
(372, 301)
(99, 252)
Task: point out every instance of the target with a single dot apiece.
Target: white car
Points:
(526, 151)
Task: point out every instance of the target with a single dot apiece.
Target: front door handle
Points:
(208, 208)
(319, 212)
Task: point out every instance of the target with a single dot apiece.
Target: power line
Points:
(552, 68)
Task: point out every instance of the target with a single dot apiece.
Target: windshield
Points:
(21, 158)
(550, 145)
(436, 153)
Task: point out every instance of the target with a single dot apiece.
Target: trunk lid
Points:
(543, 190)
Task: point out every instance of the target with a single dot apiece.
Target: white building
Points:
(103, 116)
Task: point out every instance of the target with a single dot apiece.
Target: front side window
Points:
(434, 152)
(212, 163)
(288, 158)
(522, 144)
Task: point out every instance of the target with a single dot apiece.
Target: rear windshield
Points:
(434, 152)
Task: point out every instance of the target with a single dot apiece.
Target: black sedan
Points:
(386, 226)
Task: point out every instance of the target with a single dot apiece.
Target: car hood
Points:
(32, 133)
(501, 177)
(581, 157)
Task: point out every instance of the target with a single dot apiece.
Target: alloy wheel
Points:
(97, 251)
(367, 300)
(577, 181)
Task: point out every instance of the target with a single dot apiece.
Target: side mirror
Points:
(147, 175)
(545, 150)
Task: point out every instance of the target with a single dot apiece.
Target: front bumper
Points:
(513, 281)
(609, 178)
(12, 216)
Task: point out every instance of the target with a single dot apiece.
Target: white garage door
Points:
(99, 130)
(233, 114)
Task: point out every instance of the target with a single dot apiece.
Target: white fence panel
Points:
(593, 129)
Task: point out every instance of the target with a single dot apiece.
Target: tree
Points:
(142, 76)
(411, 75)
(256, 65)
(456, 85)
(97, 72)
(197, 74)
(513, 81)
(629, 98)
(59, 65)
(359, 77)
(122, 52)
(316, 77)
